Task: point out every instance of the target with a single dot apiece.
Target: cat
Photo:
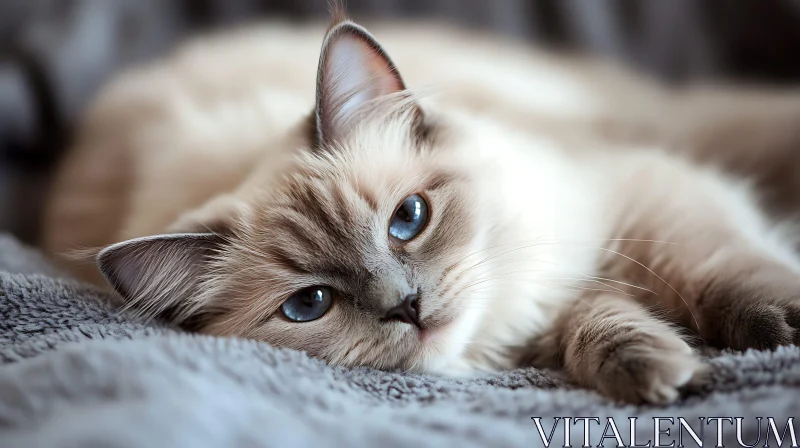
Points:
(515, 208)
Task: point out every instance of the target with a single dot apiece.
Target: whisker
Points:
(652, 272)
(622, 283)
(571, 287)
(662, 279)
(539, 242)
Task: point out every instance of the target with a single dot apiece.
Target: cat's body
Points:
(570, 202)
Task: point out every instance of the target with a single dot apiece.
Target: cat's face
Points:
(357, 259)
(360, 255)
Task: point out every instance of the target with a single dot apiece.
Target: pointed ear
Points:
(353, 70)
(161, 276)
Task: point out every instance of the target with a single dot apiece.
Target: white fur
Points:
(213, 128)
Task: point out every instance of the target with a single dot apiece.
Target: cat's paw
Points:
(649, 372)
(753, 314)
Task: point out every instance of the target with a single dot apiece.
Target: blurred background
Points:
(54, 54)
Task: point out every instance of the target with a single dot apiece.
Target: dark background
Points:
(54, 54)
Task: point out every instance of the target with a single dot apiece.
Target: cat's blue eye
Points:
(308, 304)
(409, 219)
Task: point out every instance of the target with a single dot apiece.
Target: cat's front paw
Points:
(753, 314)
(648, 372)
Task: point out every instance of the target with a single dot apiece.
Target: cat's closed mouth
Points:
(430, 332)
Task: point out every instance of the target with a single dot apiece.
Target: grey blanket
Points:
(75, 373)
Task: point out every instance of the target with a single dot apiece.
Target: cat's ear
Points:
(161, 276)
(353, 70)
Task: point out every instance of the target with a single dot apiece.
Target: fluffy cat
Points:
(525, 209)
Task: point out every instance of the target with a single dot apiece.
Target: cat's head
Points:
(359, 255)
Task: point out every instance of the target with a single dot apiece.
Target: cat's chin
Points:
(446, 344)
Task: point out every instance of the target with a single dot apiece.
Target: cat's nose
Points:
(407, 311)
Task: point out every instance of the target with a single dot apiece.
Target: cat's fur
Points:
(578, 212)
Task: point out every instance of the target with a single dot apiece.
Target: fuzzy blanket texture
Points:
(77, 373)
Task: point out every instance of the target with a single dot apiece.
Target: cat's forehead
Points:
(364, 173)
(331, 213)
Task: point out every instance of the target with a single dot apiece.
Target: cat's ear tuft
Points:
(161, 276)
(353, 70)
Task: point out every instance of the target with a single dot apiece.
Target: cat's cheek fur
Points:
(342, 338)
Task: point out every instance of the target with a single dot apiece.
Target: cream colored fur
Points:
(576, 166)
